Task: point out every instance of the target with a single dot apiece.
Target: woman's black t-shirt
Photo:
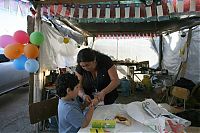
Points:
(91, 85)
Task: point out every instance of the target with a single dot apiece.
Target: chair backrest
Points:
(180, 92)
(43, 110)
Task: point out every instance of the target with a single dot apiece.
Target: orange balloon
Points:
(21, 47)
(13, 51)
(31, 51)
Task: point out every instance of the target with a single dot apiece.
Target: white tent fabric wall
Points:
(172, 44)
(193, 67)
(54, 53)
(136, 49)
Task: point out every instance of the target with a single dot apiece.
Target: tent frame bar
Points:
(50, 2)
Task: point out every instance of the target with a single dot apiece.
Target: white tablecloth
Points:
(108, 112)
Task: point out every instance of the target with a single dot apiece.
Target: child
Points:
(70, 115)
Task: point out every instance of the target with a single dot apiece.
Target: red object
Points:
(33, 11)
(176, 128)
(21, 37)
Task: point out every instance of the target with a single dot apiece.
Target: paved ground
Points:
(14, 116)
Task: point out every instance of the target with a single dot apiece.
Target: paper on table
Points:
(136, 111)
(152, 108)
(152, 115)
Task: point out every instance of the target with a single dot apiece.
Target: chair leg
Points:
(47, 97)
(171, 101)
(56, 117)
(43, 125)
(184, 104)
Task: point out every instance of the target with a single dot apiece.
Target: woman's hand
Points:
(95, 101)
(100, 96)
(91, 107)
(87, 99)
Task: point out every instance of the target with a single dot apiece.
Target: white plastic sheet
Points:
(171, 51)
(141, 121)
(193, 63)
(157, 122)
(172, 45)
(109, 112)
(54, 53)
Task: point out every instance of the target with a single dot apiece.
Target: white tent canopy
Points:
(141, 49)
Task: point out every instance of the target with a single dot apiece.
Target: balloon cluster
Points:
(22, 49)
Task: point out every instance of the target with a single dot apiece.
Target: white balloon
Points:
(60, 39)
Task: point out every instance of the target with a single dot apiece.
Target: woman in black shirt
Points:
(98, 76)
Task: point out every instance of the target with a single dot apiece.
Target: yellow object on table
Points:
(103, 123)
(96, 130)
(147, 82)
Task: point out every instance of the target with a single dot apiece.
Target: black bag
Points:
(185, 83)
(191, 115)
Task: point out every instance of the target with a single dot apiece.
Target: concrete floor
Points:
(14, 117)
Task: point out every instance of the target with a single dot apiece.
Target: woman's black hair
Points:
(86, 55)
(65, 81)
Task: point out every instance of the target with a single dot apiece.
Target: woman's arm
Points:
(80, 78)
(113, 84)
(81, 92)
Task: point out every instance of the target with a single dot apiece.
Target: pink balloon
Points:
(21, 37)
(6, 40)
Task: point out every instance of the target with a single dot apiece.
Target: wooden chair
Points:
(43, 110)
(180, 93)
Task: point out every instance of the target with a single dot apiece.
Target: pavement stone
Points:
(14, 116)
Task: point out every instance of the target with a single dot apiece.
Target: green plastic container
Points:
(103, 123)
